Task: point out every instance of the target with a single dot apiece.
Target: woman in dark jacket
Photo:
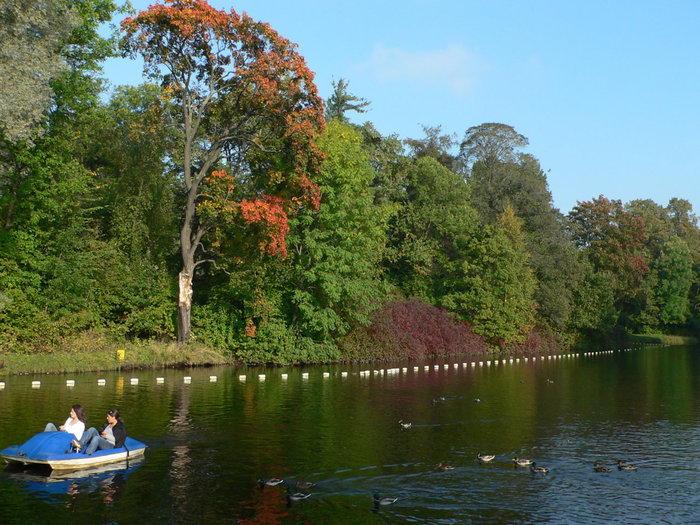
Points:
(112, 435)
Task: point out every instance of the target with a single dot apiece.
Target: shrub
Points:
(412, 329)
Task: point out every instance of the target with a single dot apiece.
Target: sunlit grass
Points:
(93, 353)
(664, 339)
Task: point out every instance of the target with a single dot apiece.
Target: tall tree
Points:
(491, 143)
(32, 33)
(341, 101)
(612, 239)
(426, 231)
(249, 112)
(493, 284)
(435, 145)
(674, 270)
(337, 251)
(500, 176)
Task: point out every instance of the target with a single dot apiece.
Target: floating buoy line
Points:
(385, 372)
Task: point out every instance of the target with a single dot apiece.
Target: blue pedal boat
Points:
(52, 449)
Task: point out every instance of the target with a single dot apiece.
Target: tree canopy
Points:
(307, 241)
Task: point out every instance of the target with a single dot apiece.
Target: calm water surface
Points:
(210, 441)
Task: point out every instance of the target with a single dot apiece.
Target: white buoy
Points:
(261, 377)
(101, 382)
(2, 385)
(187, 379)
(70, 382)
(213, 379)
(343, 374)
(36, 384)
(134, 380)
(160, 380)
(242, 378)
(326, 375)
(304, 375)
(284, 377)
(426, 368)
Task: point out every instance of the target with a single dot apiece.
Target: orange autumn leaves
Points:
(271, 212)
(245, 91)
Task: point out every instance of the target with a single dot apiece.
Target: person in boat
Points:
(75, 424)
(112, 435)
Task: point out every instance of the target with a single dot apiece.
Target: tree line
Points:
(223, 202)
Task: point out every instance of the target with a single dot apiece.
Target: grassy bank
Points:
(105, 357)
(663, 339)
(92, 352)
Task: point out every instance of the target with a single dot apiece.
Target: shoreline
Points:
(154, 355)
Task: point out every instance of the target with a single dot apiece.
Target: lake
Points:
(212, 436)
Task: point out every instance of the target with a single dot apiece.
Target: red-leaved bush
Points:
(413, 329)
(536, 344)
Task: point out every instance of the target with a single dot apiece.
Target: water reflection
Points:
(107, 480)
(209, 443)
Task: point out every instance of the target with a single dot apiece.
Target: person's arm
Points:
(119, 431)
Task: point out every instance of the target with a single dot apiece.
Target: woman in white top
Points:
(75, 424)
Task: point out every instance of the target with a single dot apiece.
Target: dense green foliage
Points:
(416, 249)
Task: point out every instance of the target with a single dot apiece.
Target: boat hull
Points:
(52, 449)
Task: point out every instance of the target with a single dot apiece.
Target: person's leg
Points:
(50, 427)
(98, 443)
(87, 436)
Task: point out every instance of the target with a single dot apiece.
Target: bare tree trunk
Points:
(184, 307)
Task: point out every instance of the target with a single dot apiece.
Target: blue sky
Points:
(606, 92)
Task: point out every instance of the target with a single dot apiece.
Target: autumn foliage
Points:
(613, 238)
(250, 112)
(414, 329)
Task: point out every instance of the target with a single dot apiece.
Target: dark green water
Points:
(210, 441)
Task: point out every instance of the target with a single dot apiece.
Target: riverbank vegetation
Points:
(223, 213)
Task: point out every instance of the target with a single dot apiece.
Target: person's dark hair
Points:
(80, 413)
(115, 413)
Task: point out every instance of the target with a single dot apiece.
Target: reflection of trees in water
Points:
(267, 505)
(180, 466)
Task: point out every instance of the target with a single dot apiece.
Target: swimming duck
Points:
(301, 484)
(297, 496)
(442, 467)
(621, 465)
(538, 470)
(380, 501)
(439, 399)
(270, 482)
(485, 458)
(404, 426)
(522, 462)
(600, 468)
